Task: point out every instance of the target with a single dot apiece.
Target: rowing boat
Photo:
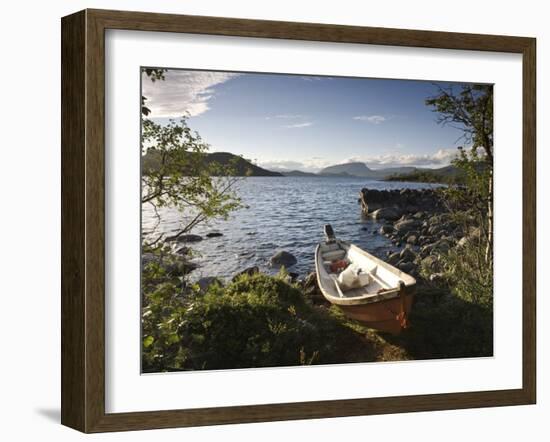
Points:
(365, 287)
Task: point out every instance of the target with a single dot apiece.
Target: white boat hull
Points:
(384, 303)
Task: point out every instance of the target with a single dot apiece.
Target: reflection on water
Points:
(283, 213)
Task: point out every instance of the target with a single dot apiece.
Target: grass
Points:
(445, 326)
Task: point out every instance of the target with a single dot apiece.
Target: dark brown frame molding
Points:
(83, 216)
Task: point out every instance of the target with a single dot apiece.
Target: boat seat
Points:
(334, 254)
(330, 246)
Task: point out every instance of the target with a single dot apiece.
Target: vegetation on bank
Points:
(467, 269)
(255, 321)
(264, 321)
(427, 176)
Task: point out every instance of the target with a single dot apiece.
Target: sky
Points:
(293, 122)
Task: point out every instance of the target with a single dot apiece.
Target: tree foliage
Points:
(470, 109)
(467, 269)
(176, 173)
(179, 175)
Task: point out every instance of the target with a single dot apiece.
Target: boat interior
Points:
(380, 278)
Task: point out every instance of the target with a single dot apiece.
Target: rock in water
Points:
(386, 229)
(188, 238)
(213, 234)
(283, 258)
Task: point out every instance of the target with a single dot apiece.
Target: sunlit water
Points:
(283, 213)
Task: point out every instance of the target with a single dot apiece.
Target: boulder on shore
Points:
(407, 254)
(248, 271)
(147, 258)
(207, 281)
(405, 225)
(310, 282)
(389, 213)
(183, 250)
(406, 267)
(178, 266)
(393, 258)
(311, 289)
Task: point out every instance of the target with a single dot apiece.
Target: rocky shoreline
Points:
(418, 224)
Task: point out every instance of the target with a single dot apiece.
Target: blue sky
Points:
(303, 122)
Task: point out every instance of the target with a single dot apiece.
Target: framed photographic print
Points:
(269, 220)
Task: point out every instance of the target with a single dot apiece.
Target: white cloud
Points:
(314, 164)
(289, 116)
(300, 120)
(313, 78)
(373, 119)
(282, 165)
(440, 158)
(182, 92)
(286, 117)
(298, 125)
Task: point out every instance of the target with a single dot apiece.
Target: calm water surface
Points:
(283, 213)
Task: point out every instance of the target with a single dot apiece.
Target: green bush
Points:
(468, 275)
(256, 321)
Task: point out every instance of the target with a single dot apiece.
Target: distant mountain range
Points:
(242, 167)
(361, 170)
(350, 170)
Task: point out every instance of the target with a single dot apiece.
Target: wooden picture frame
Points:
(83, 220)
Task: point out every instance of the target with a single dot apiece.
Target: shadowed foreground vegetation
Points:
(255, 321)
(265, 321)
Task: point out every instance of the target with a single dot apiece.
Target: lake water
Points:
(283, 213)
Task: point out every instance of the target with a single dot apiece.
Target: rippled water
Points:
(283, 213)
